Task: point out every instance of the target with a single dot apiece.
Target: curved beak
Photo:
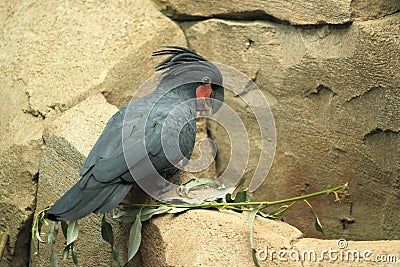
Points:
(203, 93)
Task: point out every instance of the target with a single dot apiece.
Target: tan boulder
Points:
(211, 238)
(221, 238)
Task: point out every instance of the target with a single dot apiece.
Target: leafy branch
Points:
(219, 198)
(233, 205)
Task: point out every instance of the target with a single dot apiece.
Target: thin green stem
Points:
(239, 204)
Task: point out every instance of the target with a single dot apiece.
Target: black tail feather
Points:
(79, 202)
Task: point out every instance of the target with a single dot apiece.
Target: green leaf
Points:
(177, 210)
(126, 216)
(65, 253)
(264, 215)
(107, 232)
(147, 213)
(279, 211)
(228, 198)
(241, 196)
(250, 221)
(72, 231)
(51, 239)
(35, 239)
(194, 183)
(41, 222)
(37, 225)
(135, 237)
(70, 248)
(108, 236)
(241, 181)
(181, 200)
(254, 256)
(116, 257)
(74, 255)
(219, 193)
(64, 228)
(317, 223)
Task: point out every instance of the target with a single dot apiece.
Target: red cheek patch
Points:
(203, 91)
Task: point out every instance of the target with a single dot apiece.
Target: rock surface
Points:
(212, 239)
(373, 9)
(334, 95)
(18, 175)
(68, 49)
(292, 12)
(221, 238)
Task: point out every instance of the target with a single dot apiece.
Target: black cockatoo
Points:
(188, 83)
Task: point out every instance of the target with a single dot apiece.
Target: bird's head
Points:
(185, 67)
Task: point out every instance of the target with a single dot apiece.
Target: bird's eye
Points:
(206, 80)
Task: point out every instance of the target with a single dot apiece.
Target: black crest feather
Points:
(177, 56)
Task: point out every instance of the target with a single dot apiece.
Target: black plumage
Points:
(135, 133)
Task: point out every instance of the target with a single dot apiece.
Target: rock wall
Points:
(331, 75)
(329, 71)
